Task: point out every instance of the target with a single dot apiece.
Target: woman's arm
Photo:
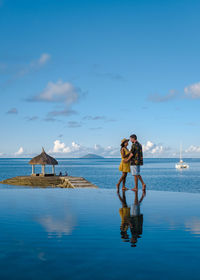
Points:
(124, 154)
(128, 159)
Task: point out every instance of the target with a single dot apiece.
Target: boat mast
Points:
(180, 151)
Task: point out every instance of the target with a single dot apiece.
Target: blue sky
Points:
(77, 76)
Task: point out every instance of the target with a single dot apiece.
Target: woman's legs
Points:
(123, 178)
(120, 180)
(124, 181)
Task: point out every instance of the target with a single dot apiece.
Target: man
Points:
(136, 158)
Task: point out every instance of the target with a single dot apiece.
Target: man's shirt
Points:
(136, 150)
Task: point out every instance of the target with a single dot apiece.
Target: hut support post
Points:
(43, 169)
(53, 169)
(33, 169)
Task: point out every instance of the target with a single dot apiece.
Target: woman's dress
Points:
(124, 166)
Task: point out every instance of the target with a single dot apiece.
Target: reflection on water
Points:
(131, 218)
(193, 226)
(75, 234)
(58, 226)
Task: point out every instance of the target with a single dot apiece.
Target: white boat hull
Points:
(182, 165)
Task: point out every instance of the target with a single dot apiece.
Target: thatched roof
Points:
(43, 158)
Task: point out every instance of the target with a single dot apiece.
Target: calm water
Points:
(92, 234)
(96, 234)
(159, 174)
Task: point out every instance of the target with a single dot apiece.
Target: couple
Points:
(131, 161)
(131, 218)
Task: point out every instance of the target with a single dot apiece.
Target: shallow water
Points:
(159, 174)
(79, 234)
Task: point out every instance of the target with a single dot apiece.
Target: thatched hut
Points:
(43, 159)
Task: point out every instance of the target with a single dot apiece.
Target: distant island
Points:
(92, 156)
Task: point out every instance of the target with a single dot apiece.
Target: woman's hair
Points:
(122, 145)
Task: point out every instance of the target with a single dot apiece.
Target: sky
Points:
(78, 76)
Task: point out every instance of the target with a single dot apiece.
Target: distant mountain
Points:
(91, 156)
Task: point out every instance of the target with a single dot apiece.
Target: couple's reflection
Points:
(131, 218)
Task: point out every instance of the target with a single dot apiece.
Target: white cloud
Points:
(151, 148)
(62, 92)
(34, 65)
(193, 149)
(19, 152)
(193, 91)
(44, 58)
(77, 150)
(97, 147)
(60, 147)
(75, 146)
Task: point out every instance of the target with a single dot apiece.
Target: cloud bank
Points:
(193, 149)
(77, 150)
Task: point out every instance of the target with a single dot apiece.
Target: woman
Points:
(124, 166)
(124, 213)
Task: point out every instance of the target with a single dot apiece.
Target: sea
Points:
(83, 234)
(158, 174)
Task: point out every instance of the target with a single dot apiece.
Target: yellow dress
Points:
(124, 167)
(125, 216)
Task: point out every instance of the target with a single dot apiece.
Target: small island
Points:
(92, 156)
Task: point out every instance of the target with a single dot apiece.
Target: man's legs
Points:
(143, 184)
(136, 183)
(134, 173)
(135, 170)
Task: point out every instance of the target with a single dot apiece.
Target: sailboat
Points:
(181, 164)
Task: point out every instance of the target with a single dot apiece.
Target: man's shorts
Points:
(135, 170)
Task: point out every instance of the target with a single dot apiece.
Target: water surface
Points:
(95, 233)
(81, 234)
(159, 174)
